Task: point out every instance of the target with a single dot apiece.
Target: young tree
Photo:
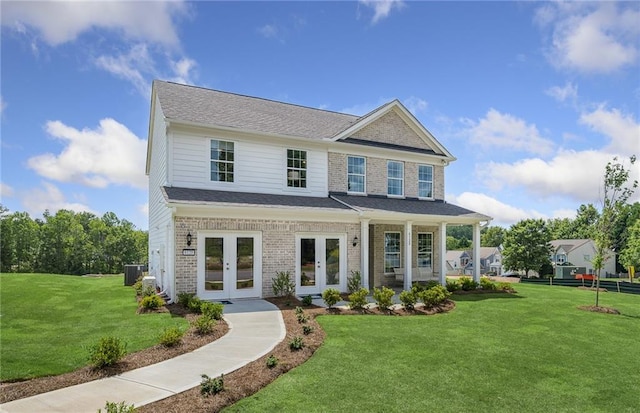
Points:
(630, 255)
(616, 192)
(526, 246)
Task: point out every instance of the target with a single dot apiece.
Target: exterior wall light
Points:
(189, 239)
(355, 241)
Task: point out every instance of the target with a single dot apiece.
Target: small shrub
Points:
(431, 284)
(195, 305)
(331, 296)
(203, 324)
(210, 386)
(354, 281)
(107, 352)
(453, 285)
(358, 299)
(408, 299)
(383, 298)
(272, 361)
(487, 284)
(416, 288)
(212, 310)
(184, 299)
(151, 302)
(504, 286)
(138, 287)
(307, 300)
(148, 291)
(302, 318)
(122, 407)
(296, 344)
(306, 330)
(282, 284)
(434, 296)
(468, 284)
(171, 336)
(299, 310)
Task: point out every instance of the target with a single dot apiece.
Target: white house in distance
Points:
(580, 252)
(243, 187)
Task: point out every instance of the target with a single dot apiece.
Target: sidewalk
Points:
(255, 327)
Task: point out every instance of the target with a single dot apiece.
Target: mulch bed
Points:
(599, 309)
(603, 290)
(152, 355)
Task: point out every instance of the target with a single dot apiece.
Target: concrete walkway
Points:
(255, 327)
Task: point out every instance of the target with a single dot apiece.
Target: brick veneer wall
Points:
(391, 128)
(278, 245)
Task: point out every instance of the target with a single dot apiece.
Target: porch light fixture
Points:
(189, 239)
(355, 240)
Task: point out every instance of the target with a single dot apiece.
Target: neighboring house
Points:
(241, 188)
(461, 262)
(457, 261)
(580, 253)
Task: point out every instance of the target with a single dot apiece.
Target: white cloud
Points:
(3, 105)
(61, 22)
(622, 129)
(183, 70)
(144, 209)
(567, 92)
(415, 104)
(504, 131)
(49, 197)
(382, 8)
(502, 213)
(6, 191)
(109, 154)
(592, 37)
(270, 31)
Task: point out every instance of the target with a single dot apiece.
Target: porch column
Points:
(408, 257)
(476, 251)
(364, 252)
(443, 253)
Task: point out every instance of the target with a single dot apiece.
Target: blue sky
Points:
(533, 98)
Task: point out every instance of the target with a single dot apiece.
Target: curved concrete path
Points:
(255, 327)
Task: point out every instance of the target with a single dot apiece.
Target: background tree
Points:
(630, 255)
(526, 246)
(616, 193)
(492, 236)
(629, 214)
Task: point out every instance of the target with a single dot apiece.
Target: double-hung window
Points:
(425, 181)
(392, 256)
(356, 172)
(425, 249)
(395, 178)
(222, 158)
(296, 168)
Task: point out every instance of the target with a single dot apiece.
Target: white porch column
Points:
(443, 253)
(476, 252)
(364, 252)
(408, 255)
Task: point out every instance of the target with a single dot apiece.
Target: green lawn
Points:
(47, 321)
(534, 352)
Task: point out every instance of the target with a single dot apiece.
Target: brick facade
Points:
(391, 128)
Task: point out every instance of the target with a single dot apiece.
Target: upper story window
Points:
(222, 159)
(296, 168)
(425, 181)
(395, 178)
(356, 172)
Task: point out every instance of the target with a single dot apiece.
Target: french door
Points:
(229, 265)
(320, 263)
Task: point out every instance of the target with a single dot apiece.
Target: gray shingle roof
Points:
(215, 108)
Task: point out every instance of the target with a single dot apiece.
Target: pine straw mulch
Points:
(142, 358)
(598, 309)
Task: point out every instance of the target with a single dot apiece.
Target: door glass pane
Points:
(307, 262)
(214, 255)
(244, 263)
(332, 263)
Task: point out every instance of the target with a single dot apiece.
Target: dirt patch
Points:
(152, 355)
(599, 309)
(604, 290)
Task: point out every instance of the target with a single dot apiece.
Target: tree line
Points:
(69, 242)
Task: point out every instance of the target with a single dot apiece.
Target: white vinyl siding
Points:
(356, 174)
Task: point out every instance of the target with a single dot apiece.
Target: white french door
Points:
(229, 265)
(320, 262)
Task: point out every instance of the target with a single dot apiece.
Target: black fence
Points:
(613, 286)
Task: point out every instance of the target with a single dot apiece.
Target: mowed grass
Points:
(533, 352)
(48, 321)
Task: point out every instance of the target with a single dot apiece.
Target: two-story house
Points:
(580, 253)
(242, 187)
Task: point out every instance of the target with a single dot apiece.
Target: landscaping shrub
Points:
(282, 284)
(299, 310)
(138, 287)
(354, 281)
(468, 284)
(307, 300)
(212, 310)
(331, 296)
(184, 299)
(358, 299)
(383, 298)
(148, 291)
(272, 361)
(302, 318)
(306, 330)
(431, 284)
(487, 284)
(296, 344)
(171, 336)
(122, 407)
(408, 299)
(203, 324)
(453, 285)
(195, 305)
(434, 296)
(210, 386)
(504, 286)
(151, 302)
(107, 352)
